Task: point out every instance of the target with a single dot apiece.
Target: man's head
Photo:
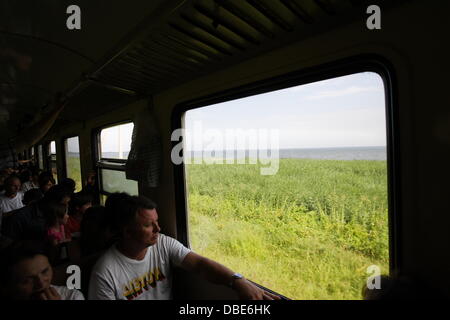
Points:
(12, 186)
(46, 181)
(137, 221)
(25, 271)
(57, 194)
(79, 203)
(68, 183)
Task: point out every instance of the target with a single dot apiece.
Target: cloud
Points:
(343, 92)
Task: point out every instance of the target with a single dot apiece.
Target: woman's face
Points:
(30, 277)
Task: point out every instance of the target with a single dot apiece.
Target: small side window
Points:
(114, 146)
(52, 159)
(73, 166)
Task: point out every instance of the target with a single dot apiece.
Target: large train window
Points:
(73, 166)
(52, 159)
(114, 146)
(289, 187)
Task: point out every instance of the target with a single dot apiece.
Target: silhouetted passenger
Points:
(69, 184)
(78, 205)
(95, 231)
(31, 196)
(46, 181)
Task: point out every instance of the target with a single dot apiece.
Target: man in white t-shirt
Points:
(12, 198)
(139, 266)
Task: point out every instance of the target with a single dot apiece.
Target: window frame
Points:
(106, 163)
(330, 70)
(40, 156)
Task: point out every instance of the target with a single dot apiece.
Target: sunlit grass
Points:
(74, 171)
(308, 232)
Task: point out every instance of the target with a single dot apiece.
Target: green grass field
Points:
(308, 232)
(74, 171)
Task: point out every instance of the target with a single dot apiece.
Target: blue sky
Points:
(345, 111)
(340, 112)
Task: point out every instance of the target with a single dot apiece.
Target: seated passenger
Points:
(95, 231)
(29, 222)
(138, 266)
(32, 196)
(12, 198)
(55, 215)
(78, 205)
(68, 183)
(33, 182)
(26, 274)
(46, 181)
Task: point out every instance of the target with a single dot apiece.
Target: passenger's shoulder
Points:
(106, 259)
(167, 241)
(68, 294)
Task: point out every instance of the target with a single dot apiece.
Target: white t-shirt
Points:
(117, 277)
(28, 186)
(68, 294)
(9, 204)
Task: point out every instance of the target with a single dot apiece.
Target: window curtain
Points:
(144, 160)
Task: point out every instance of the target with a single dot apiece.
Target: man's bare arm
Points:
(219, 274)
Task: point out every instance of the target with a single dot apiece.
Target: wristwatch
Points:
(235, 276)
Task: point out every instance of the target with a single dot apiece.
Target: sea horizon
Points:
(322, 153)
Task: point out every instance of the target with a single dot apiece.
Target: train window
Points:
(115, 141)
(52, 159)
(289, 187)
(40, 157)
(73, 166)
(114, 146)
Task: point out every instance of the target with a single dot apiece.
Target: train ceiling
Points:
(128, 49)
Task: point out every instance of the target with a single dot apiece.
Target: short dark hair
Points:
(79, 199)
(126, 210)
(25, 176)
(10, 179)
(44, 178)
(53, 211)
(68, 183)
(56, 194)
